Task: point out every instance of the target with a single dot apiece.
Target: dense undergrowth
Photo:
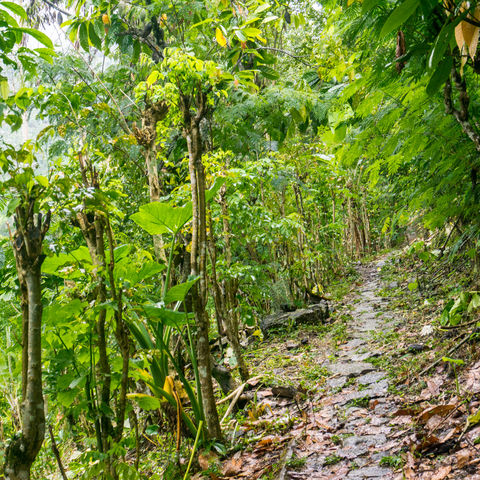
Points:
(173, 172)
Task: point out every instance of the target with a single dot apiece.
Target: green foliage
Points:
(321, 145)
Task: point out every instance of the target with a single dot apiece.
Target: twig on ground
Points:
(238, 391)
(232, 394)
(460, 325)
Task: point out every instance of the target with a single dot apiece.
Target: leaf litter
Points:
(356, 423)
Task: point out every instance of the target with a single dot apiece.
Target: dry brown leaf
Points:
(450, 434)
(267, 441)
(466, 36)
(441, 473)
(232, 467)
(473, 44)
(472, 381)
(433, 422)
(404, 412)
(433, 387)
(427, 442)
(464, 456)
(441, 410)
(206, 459)
(409, 468)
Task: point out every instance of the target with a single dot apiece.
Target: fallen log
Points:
(313, 314)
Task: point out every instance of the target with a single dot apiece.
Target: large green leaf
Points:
(149, 269)
(15, 8)
(58, 313)
(146, 402)
(40, 36)
(56, 264)
(440, 75)
(158, 218)
(83, 36)
(440, 46)
(213, 190)
(129, 271)
(179, 292)
(165, 316)
(95, 40)
(404, 11)
(367, 5)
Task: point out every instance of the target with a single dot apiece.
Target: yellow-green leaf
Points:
(153, 77)
(474, 419)
(42, 180)
(222, 41)
(4, 89)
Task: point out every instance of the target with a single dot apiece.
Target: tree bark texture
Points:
(95, 227)
(146, 137)
(27, 244)
(191, 124)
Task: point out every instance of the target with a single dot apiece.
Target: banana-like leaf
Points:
(179, 292)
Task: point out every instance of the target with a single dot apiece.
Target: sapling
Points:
(453, 362)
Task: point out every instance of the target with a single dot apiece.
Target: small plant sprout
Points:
(454, 363)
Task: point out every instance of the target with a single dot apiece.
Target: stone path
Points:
(352, 427)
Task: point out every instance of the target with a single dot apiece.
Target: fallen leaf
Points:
(427, 442)
(207, 459)
(471, 381)
(232, 467)
(409, 468)
(405, 412)
(266, 441)
(441, 410)
(441, 473)
(433, 422)
(433, 387)
(464, 456)
(450, 434)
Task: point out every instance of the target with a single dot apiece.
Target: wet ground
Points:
(354, 414)
(351, 420)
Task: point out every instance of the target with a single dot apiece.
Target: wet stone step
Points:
(350, 369)
(352, 344)
(372, 377)
(370, 473)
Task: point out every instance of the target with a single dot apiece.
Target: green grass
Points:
(296, 463)
(332, 460)
(392, 461)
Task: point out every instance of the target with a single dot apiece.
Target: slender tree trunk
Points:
(218, 294)
(231, 287)
(146, 136)
(198, 257)
(94, 232)
(28, 243)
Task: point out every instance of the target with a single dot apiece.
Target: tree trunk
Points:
(231, 287)
(94, 232)
(198, 258)
(27, 243)
(147, 138)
